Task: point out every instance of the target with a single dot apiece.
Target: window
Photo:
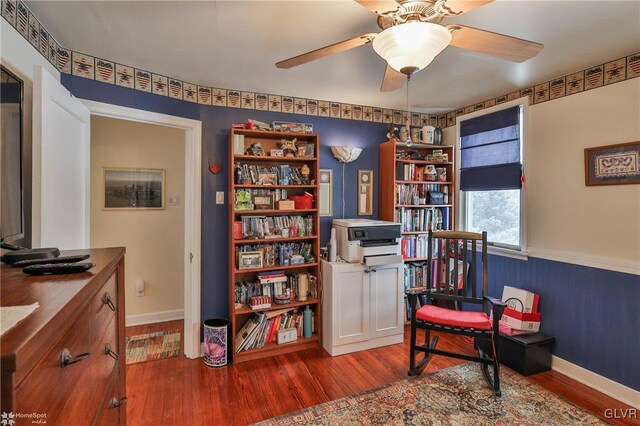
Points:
(491, 151)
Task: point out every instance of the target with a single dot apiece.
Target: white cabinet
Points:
(362, 307)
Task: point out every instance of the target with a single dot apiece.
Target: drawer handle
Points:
(115, 403)
(67, 359)
(107, 301)
(108, 351)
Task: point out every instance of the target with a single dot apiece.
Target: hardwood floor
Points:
(186, 392)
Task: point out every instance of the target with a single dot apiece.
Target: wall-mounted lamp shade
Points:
(346, 154)
(411, 45)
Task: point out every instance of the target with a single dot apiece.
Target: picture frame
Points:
(309, 150)
(133, 189)
(325, 189)
(249, 260)
(617, 164)
(276, 153)
(365, 192)
(267, 179)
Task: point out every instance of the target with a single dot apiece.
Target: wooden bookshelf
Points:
(241, 313)
(392, 176)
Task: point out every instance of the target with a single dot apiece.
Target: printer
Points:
(366, 241)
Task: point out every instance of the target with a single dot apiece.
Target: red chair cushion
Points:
(466, 319)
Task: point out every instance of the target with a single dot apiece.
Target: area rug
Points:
(150, 346)
(454, 396)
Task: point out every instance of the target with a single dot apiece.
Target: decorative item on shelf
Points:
(303, 287)
(215, 163)
(255, 149)
(307, 322)
(237, 230)
(263, 203)
(259, 302)
(305, 171)
(282, 126)
(427, 134)
(282, 299)
(441, 173)
(288, 147)
(302, 201)
(438, 136)
(258, 125)
(415, 134)
(345, 154)
(287, 335)
(243, 200)
(286, 205)
(392, 134)
(250, 260)
(276, 153)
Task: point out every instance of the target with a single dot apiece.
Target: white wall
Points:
(595, 226)
(565, 216)
(154, 239)
(20, 57)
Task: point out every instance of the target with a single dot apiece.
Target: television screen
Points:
(12, 224)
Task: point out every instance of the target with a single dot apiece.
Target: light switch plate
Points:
(219, 197)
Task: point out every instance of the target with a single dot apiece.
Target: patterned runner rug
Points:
(454, 396)
(150, 346)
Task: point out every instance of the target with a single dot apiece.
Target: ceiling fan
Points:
(412, 37)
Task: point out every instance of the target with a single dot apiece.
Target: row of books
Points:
(426, 219)
(262, 327)
(413, 194)
(251, 174)
(273, 286)
(276, 226)
(415, 274)
(413, 246)
(280, 253)
(421, 173)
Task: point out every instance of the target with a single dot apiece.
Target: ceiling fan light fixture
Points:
(410, 47)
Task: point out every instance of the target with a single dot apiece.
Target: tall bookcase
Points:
(405, 198)
(272, 237)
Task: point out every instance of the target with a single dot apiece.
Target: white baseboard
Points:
(602, 384)
(153, 317)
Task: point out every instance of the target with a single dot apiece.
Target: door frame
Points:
(192, 207)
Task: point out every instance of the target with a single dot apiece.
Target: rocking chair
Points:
(452, 283)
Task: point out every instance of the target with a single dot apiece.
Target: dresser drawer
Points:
(84, 400)
(75, 389)
(104, 305)
(112, 406)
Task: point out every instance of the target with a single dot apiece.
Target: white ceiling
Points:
(234, 44)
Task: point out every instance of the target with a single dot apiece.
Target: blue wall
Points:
(594, 314)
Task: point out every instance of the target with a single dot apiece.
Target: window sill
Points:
(505, 252)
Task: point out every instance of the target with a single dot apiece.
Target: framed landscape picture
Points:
(133, 189)
(612, 165)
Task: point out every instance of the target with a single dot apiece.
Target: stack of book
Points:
(262, 328)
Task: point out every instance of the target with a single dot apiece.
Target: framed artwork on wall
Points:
(612, 164)
(326, 192)
(133, 189)
(365, 192)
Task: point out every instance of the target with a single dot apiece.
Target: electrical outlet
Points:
(219, 197)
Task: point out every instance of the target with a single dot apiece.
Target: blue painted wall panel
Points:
(594, 314)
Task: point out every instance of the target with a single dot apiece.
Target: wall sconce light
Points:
(345, 154)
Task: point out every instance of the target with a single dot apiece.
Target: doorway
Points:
(166, 238)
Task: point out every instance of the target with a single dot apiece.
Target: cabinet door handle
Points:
(115, 403)
(108, 351)
(67, 359)
(107, 301)
(366, 271)
(374, 270)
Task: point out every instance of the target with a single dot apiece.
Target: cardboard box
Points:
(520, 300)
(286, 205)
(520, 320)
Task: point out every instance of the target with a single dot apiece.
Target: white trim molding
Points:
(154, 317)
(602, 384)
(619, 265)
(192, 208)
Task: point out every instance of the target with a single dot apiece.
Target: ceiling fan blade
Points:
(393, 80)
(379, 7)
(326, 51)
(494, 44)
(458, 7)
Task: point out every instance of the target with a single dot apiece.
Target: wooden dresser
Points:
(66, 361)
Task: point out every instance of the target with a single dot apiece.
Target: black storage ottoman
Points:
(527, 353)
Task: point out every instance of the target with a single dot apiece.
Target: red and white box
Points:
(520, 320)
(520, 300)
